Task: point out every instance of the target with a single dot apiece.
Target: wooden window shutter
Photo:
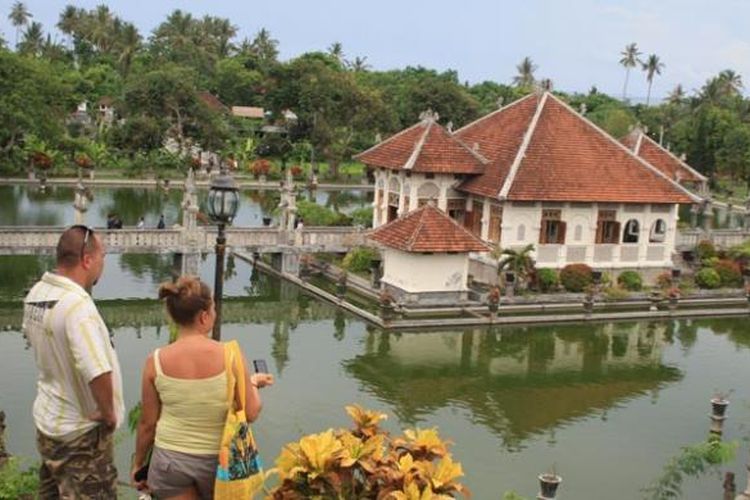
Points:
(616, 235)
(561, 232)
(599, 231)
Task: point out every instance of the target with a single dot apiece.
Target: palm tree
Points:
(519, 262)
(336, 50)
(19, 16)
(629, 60)
(129, 42)
(525, 77)
(677, 95)
(359, 64)
(730, 82)
(264, 46)
(33, 40)
(652, 66)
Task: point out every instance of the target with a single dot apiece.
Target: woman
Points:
(184, 399)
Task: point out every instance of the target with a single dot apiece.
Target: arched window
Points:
(521, 233)
(631, 231)
(426, 192)
(658, 231)
(394, 186)
(578, 233)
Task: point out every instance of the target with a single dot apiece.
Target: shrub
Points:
(708, 278)
(359, 259)
(664, 280)
(366, 462)
(16, 483)
(575, 277)
(316, 215)
(362, 216)
(729, 272)
(615, 293)
(705, 249)
(630, 280)
(260, 167)
(546, 279)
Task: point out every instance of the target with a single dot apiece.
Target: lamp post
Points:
(223, 202)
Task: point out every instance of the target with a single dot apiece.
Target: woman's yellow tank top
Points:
(193, 412)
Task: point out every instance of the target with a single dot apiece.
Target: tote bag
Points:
(239, 474)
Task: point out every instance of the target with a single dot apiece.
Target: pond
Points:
(27, 206)
(607, 404)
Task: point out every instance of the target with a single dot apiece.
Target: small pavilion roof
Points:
(427, 230)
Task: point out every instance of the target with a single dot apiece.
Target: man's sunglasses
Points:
(87, 232)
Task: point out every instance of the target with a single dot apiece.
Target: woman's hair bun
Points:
(168, 290)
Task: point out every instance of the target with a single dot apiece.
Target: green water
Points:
(607, 404)
(27, 206)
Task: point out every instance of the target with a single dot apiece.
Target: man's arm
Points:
(101, 389)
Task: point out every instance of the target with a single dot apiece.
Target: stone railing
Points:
(725, 238)
(43, 240)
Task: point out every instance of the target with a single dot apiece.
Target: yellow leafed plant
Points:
(366, 463)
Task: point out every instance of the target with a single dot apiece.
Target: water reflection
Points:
(27, 206)
(516, 382)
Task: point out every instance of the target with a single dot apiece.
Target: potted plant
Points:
(719, 403)
(493, 299)
(548, 483)
(655, 298)
(588, 299)
(260, 169)
(385, 299)
(341, 284)
(296, 171)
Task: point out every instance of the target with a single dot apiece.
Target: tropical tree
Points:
(19, 16)
(653, 66)
(336, 50)
(525, 76)
(630, 59)
(520, 262)
(677, 96)
(358, 64)
(128, 43)
(730, 83)
(264, 46)
(33, 40)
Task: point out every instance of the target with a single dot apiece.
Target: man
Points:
(79, 391)
(161, 224)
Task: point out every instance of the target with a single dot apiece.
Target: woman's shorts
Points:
(172, 472)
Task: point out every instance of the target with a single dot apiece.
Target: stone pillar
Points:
(80, 203)
(708, 215)
(694, 211)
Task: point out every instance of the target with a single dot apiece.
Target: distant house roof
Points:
(425, 147)
(248, 112)
(540, 149)
(106, 101)
(212, 101)
(427, 229)
(672, 166)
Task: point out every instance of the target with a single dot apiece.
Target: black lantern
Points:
(223, 199)
(223, 202)
(596, 276)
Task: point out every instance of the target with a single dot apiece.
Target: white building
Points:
(537, 172)
(426, 256)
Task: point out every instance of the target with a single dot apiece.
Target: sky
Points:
(576, 43)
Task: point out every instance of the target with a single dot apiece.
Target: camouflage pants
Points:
(79, 469)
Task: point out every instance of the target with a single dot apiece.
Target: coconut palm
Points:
(336, 50)
(525, 77)
(653, 66)
(519, 262)
(359, 64)
(730, 83)
(677, 95)
(70, 20)
(129, 42)
(630, 59)
(264, 46)
(33, 40)
(19, 16)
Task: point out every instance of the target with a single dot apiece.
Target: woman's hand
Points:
(139, 485)
(261, 380)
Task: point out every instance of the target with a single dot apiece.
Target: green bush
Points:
(708, 278)
(705, 249)
(16, 483)
(315, 215)
(729, 272)
(615, 293)
(362, 216)
(575, 277)
(630, 280)
(546, 279)
(359, 259)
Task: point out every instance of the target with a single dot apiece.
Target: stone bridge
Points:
(42, 240)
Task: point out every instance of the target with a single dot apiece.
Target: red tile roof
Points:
(212, 101)
(425, 147)
(543, 150)
(427, 229)
(648, 149)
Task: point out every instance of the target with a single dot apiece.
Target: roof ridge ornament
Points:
(429, 116)
(499, 102)
(449, 127)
